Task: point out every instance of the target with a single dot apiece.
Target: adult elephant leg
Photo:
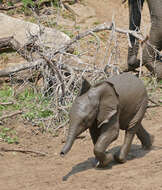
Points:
(109, 133)
(135, 8)
(150, 59)
(145, 138)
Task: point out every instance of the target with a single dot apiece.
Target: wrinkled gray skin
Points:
(119, 103)
(150, 59)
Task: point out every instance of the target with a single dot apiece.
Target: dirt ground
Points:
(143, 170)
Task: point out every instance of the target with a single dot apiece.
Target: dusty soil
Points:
(143, 170)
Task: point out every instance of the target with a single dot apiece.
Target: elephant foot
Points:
(103, 164)
(149, 144)
(120, 158)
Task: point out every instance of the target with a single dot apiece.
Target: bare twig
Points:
(1, 154)
(55, 70)
(6, 103)
(65, 46)
(156, 104)
(99, 28)
(63, 124)
(23, 151)
(10, 115)
(10, 7)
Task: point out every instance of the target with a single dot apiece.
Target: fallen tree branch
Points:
(10, 42)
(10, 7)
(10, 115)
(99, 28)
(54, 68)
(20, 67)
(23, 151)
(5, 42)
(156, 104)
(6, 103)
(23, 51)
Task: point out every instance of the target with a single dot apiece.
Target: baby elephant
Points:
(118, 103)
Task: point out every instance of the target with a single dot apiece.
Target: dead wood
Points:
(6, 103)
(11, 42)
(23, 151)
(5, 42)
(23, 51)
(4, 8)
(17, 68)
(156, 104)
(54, 69)
(68, 8)
(11, 115)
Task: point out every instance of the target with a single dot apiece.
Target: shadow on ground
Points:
(135, 153)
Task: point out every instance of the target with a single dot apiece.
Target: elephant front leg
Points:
(108, 135)
(121, 156)
(94, 132)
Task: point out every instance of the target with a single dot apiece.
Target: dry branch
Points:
(10, 115)
(54, 68)
(6, 103)
(10, 42)
(20, 67)
(10, 7)
(23, 151)
(23, 51)
(5, 42)
(156, 104)
(99, 28)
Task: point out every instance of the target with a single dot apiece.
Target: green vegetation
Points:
(34, 106)
(4, 58)
(8, 135)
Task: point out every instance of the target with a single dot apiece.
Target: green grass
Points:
(34, 105)
(8, 135)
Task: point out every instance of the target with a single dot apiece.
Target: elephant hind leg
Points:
(145, 138)
(121, 155)
(132, 129)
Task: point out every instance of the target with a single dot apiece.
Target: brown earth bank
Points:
(76, 170)
(143, 170)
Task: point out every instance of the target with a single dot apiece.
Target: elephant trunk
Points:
(69, 142)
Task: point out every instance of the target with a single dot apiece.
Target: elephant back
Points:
(131, 92)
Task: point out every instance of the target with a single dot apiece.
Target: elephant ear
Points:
(108, 105)
(85, 87)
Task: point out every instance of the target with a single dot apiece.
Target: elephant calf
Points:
(118, 103)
